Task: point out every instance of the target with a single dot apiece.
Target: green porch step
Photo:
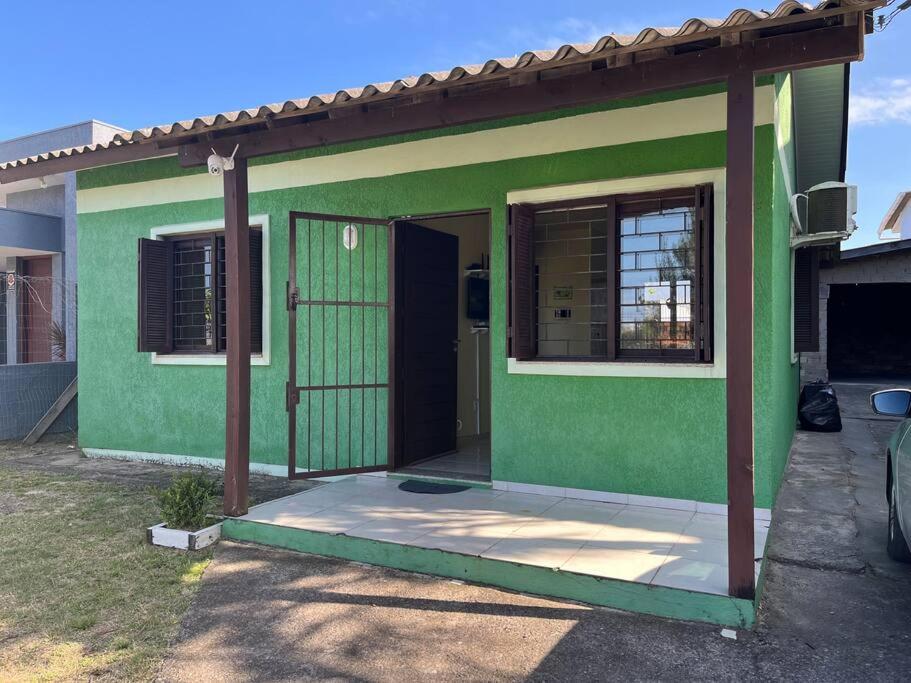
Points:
(625, 595)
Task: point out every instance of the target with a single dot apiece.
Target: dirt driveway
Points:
(835, 607)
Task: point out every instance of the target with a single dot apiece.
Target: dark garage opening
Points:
(868, 331)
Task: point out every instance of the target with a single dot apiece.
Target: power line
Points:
(883, 20)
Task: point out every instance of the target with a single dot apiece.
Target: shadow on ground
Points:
(834, 608)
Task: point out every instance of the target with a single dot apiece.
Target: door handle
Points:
(455, 345)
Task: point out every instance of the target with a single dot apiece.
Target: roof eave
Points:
(649, 44)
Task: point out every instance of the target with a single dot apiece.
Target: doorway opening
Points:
(442, 346)
(867, 333)
(35, 310)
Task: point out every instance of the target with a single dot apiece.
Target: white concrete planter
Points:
(184, 540)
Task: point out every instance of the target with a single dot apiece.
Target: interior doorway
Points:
(442, 346)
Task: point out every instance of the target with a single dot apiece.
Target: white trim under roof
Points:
(656, 121)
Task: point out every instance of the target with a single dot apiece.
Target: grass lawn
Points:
(81, 593)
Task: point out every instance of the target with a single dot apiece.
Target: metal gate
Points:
(340, 307)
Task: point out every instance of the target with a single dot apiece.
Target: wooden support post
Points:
(739, 292)
(237, 280)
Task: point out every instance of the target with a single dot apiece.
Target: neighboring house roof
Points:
(73, 134)
(890, 223)
(692, 31)
(882, 249)
(85, 133)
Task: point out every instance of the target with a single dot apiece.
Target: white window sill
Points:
(714, 370)
(202, 359)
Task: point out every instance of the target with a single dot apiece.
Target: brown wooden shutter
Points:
(156, 287)
(522, 308)
(806, 299)
(705, 266)
(256, 291)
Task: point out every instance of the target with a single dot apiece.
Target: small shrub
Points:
(81, 623)
(185, 503)
(120, 643)
(57, 335)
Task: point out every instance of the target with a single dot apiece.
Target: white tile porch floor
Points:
(674, 548)
(471, 461)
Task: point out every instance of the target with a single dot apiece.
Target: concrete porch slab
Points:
(667, 562)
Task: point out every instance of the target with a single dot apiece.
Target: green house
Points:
(567, 275)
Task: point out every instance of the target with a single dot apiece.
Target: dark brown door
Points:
(428, 326)
(35, 295)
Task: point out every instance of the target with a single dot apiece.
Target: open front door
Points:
(427, 332)
(340, 303)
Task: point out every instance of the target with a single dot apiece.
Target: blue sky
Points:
(137, 64)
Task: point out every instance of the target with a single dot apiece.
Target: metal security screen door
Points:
(340, 304)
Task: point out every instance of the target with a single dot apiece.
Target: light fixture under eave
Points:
(349, 237)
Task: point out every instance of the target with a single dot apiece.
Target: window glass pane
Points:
(657, 273)
(571, 253)
(200, 294)
(635, 243)
(193, 294)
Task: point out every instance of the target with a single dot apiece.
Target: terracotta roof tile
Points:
(647, 38)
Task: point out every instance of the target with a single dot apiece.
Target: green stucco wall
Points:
(660, 437)
(777, 391)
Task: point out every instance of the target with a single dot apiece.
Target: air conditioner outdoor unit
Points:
(827, 216)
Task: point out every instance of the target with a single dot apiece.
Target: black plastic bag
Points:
(818, 408)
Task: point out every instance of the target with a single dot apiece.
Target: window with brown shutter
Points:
(806, 299)
(194, 289)
(624, 277)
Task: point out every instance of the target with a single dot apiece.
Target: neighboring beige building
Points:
(897, 223)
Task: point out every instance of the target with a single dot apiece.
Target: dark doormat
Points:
(415, 486)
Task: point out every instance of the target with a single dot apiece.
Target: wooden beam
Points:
(117, 154)
(739, 308)
(779, 53)
(57, 407)
(237, 280)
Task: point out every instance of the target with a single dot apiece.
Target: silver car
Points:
(897, 403)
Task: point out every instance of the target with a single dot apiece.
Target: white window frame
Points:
(717, 369)
(260, 221)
